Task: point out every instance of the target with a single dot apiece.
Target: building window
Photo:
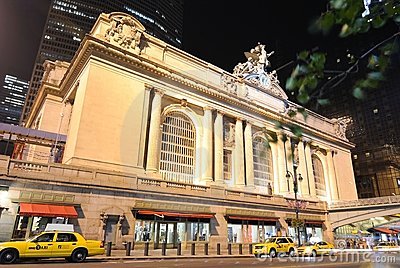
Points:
(318, 172)
(262, 159)
(227, 164)
(178, 145)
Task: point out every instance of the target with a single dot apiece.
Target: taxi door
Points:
(41, 247)
(283, 245)
(323, 247)
(65, 244)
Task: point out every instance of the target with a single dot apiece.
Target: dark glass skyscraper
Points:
(12, 97)
(69, 20)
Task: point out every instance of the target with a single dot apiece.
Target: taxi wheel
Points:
(79, 255)
(9, 256)
(272, 253)
(314, 253)
(291, 252)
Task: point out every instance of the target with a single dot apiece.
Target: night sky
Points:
(215, 31)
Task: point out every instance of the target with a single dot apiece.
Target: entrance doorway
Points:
(110, 233)
(167, 233)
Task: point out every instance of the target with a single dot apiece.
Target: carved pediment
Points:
(125, 31)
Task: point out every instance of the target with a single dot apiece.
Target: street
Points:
(370, 260)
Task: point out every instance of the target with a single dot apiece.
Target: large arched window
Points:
(178, 143)
(318, 176)
(262, 160)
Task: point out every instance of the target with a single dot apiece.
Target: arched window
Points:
(262, 161)
(318, 176)
(178, 143)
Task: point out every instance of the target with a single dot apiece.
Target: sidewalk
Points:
(170, 254)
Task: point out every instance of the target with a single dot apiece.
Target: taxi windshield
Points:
(270, 240)
(307, 244)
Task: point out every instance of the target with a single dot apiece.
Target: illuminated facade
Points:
(164, 147)
(69, 20)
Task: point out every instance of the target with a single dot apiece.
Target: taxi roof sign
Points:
(59, 227)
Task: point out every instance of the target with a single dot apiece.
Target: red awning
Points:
(45, 210)
(244, 218)
(176, 214)
(386, 230)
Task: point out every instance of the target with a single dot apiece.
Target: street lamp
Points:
(295, 189)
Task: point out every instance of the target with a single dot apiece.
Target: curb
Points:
(108, 258)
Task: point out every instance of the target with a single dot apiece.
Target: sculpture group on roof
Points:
(255, 68)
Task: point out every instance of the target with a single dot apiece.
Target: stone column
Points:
(303, 185)
(283, 185)
(154, 133)
(248, 145)
(332, 175)
(219, 148)
(207, 158)
(239, 154)
(275, 163)
(310, 173)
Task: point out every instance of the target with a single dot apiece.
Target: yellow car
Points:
(314, 249)
(274, 246)
(70, 245)
(386, 246)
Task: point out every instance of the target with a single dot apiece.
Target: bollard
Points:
(193, 251)
(229, 249)
(240, 249)
(108, 252)
(179, 249)
(206, 249)
(218, 249)
(164, 248)
(128, 248)
(146, 248)
(250, 249)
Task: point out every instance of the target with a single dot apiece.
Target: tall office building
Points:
(69, 20)
(375, 131)
(12, 98)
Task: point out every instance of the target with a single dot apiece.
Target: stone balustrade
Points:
(385, 200)
(60, 173)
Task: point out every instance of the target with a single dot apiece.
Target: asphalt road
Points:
(363, 261)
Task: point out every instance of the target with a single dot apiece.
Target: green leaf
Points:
(303, 55)
(373, 62)
(376, 76)
(326, 22)
(303, 97)
(358, 93)
(303, 112)
(291, 83)
(296, 130)
(291, 113)
(323, 102)
(378, 22)
(345, 31)
(338, 4)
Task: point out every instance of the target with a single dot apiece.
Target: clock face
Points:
(265, 80)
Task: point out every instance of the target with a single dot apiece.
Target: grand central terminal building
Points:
(164, 147)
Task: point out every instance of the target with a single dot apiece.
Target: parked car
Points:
(314, 249)
(274, 246)
(70, 245)
(386, 246)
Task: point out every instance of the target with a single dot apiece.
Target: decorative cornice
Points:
(93, 46)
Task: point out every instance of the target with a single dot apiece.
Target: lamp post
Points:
(295, 189)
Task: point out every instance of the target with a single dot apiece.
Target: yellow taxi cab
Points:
(386, 246)
(314, 249)
(70, 245)
(274, 246)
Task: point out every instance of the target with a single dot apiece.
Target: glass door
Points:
(167, 233)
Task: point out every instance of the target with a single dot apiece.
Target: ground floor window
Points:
(245, 231)
(308, 233)
(171, 230)
(28, 226)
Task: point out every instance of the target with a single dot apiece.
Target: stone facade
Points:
(147, 123)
